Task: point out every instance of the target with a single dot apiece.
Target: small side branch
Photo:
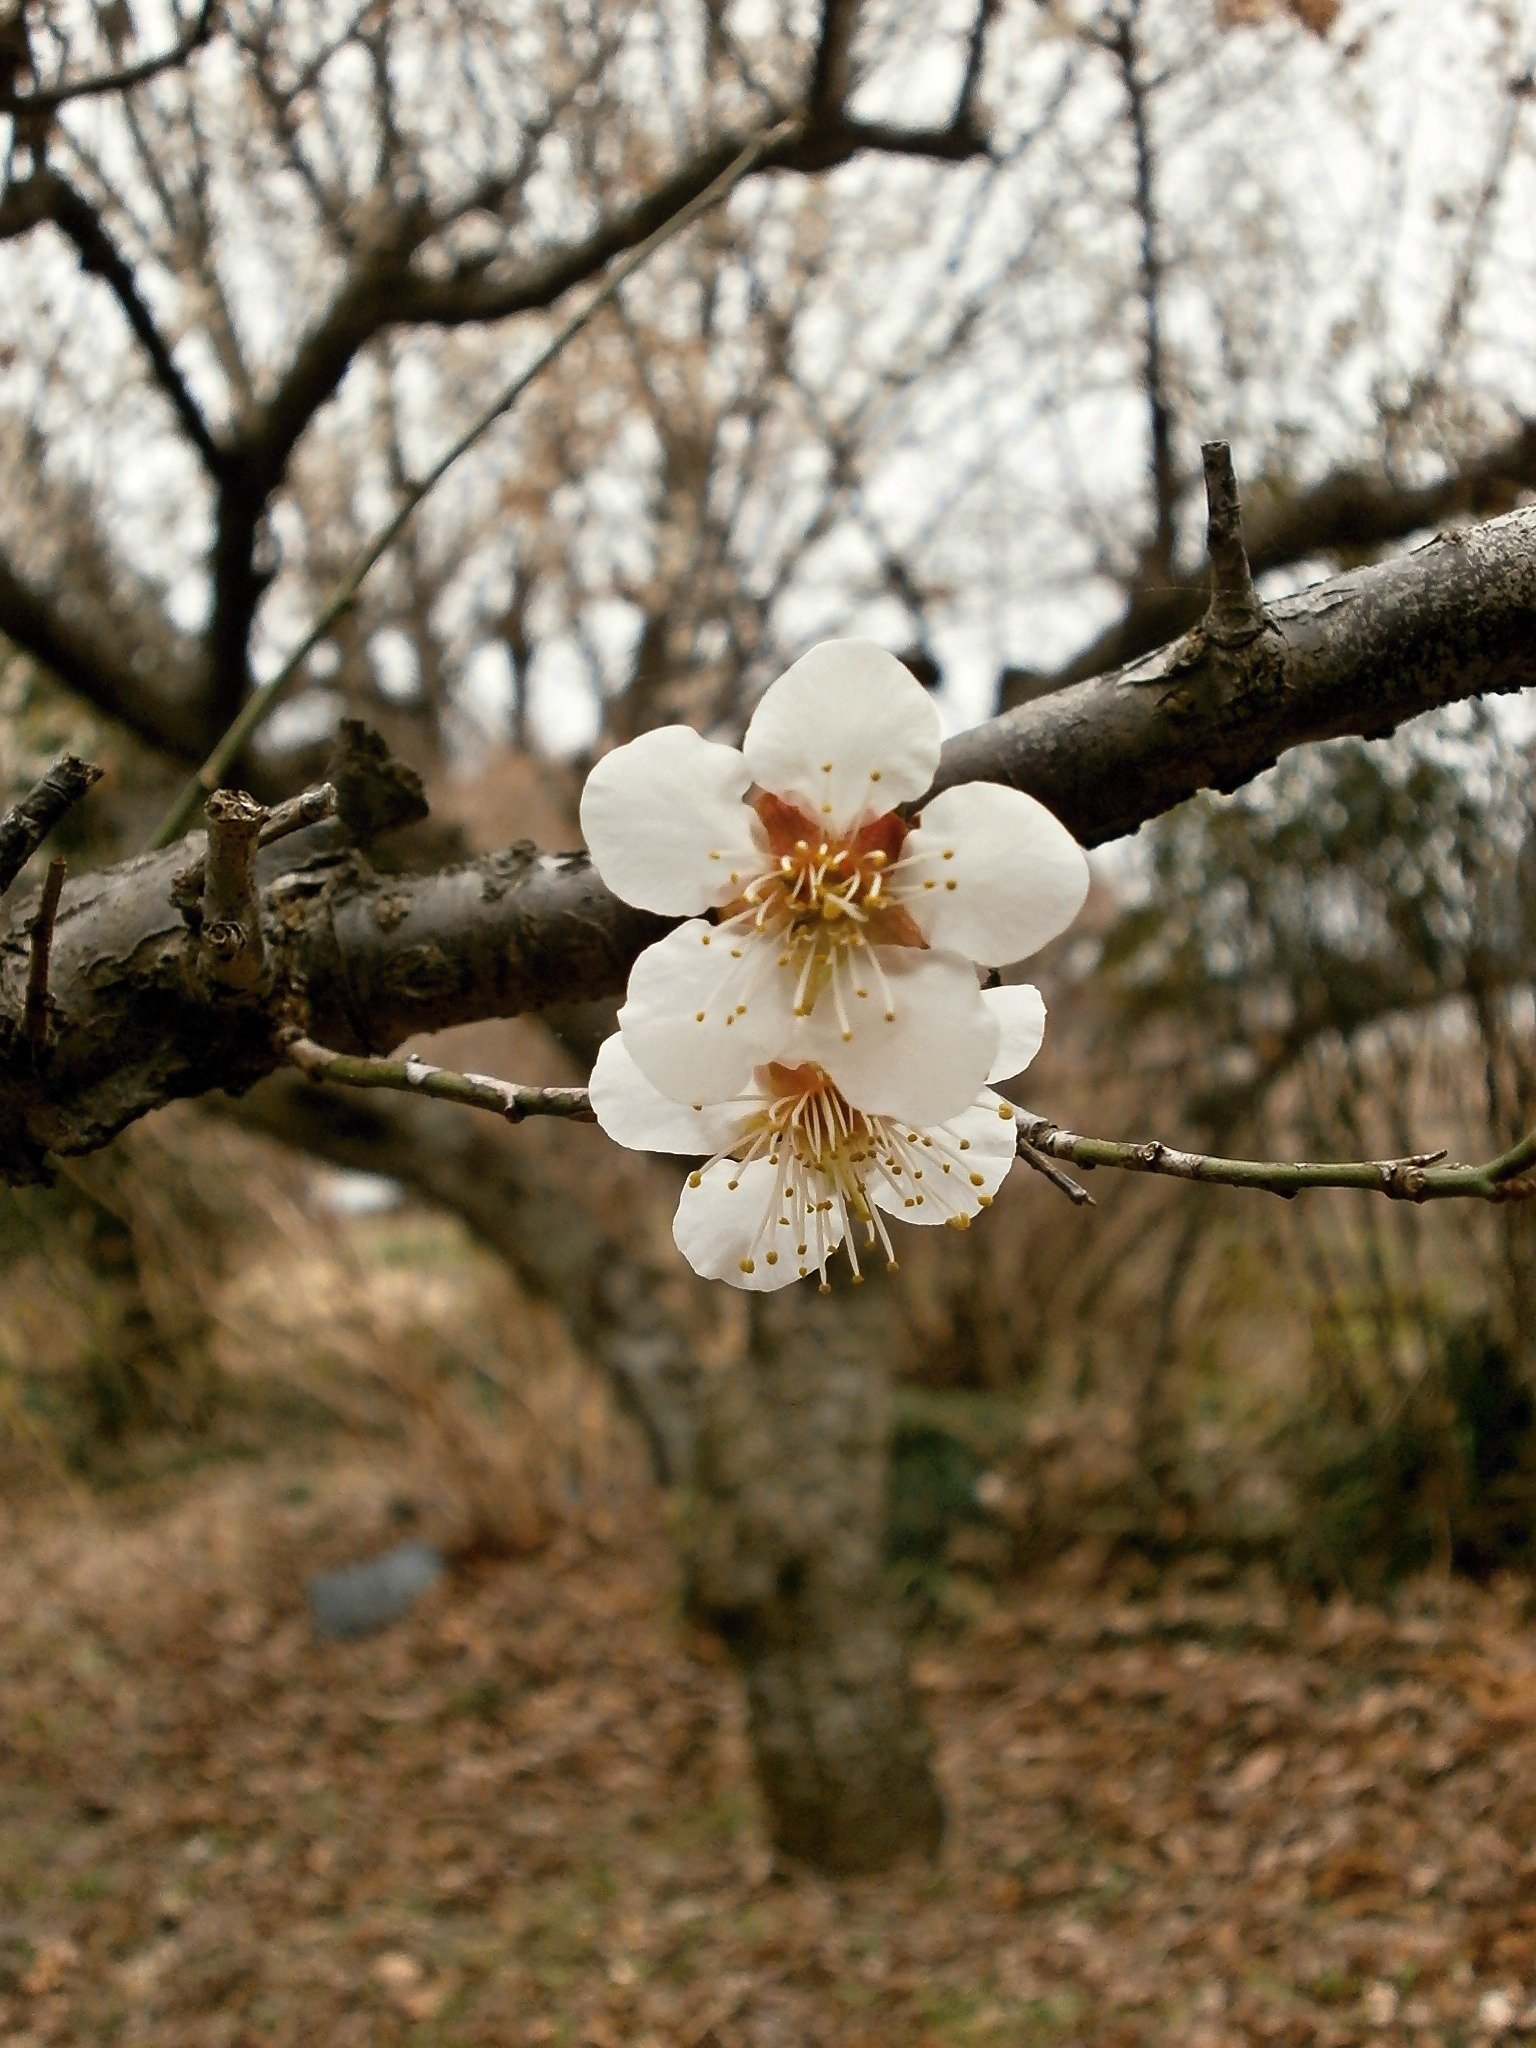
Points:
(231, 924)
(34, 1022)
(1235, 615)
(1074, 1190)
(508, 1099)
(298, 813)
(27, 824)
(294, 814)
(1421, 1177)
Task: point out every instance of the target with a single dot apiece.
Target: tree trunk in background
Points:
(781, 1456)
(785, 1553)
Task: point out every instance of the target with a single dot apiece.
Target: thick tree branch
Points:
(47, 99)
(83, 660)
(387, 290)
(832, 65)
(243, 723)
(1359, 654)
(361, 961)
(1352, 512)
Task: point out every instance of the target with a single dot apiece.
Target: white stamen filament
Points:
(827, 1159)
(817, 904)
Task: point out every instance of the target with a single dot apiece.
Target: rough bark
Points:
(1357, 654)
(1350, 513)
(368, 959)
(785, 1551)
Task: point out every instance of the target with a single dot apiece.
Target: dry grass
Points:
(191, 1273)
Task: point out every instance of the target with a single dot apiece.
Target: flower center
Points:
(824, 901)
(829, 1158)
(807, 1117)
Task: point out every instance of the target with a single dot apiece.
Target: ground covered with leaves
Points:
(1182, 1811)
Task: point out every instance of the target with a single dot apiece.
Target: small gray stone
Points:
(363, 1597)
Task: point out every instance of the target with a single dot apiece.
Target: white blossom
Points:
(796, 1170)
(840, 935)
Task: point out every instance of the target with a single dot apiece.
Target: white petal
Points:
(665, 822)
(635, 1114)
(846, 733)
(990, 873)
(1020, 1013)
(704, 1008)
(978, 1149)
(720, 1224)
(928, 1059)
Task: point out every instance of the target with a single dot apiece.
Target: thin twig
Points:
(1421, 1177)
(294, 814)
(34, 1020)
(27, 824)
(262, 702)
(1073, 1189)
(510, 1099)
(1235, 614)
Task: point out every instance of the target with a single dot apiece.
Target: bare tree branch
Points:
(1419, 1178)
(1454, 619)
(831, 67)
(48, 196)
(241, 729)
(510, 1099)
(975, 63)
(27, 824)
(1234, 615)
(1350, 512)
(230, 921)
(47, 99)
(361, 961)
(1163, 476)
(98, 671)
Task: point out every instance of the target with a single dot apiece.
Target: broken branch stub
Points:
(231, 952)
(1235, 614)
(27, 824)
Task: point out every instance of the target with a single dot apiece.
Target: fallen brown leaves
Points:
(1199, 1816)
